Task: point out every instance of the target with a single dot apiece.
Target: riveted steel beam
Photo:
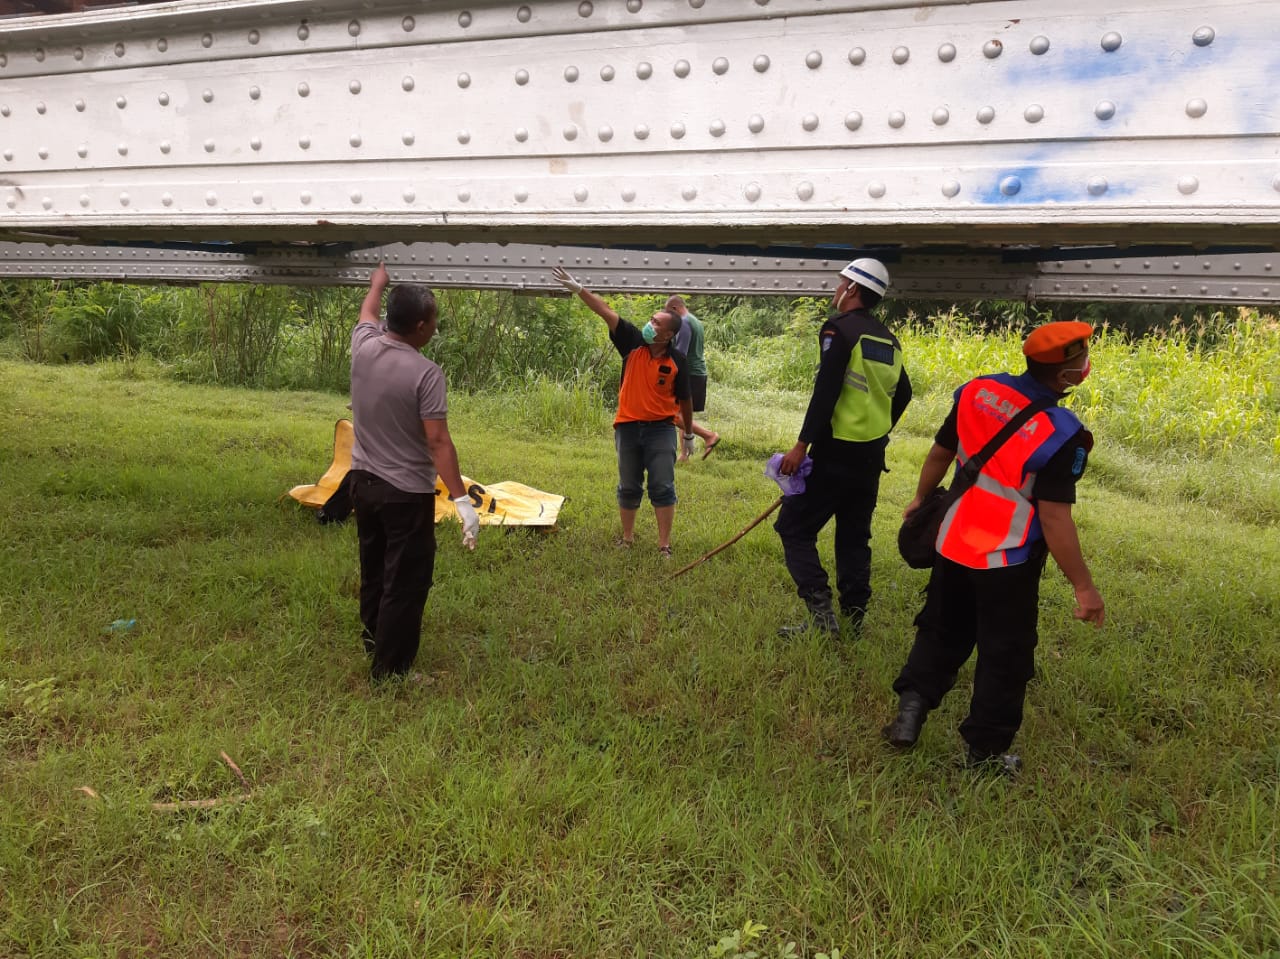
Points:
(640, 122)
(1232, 278)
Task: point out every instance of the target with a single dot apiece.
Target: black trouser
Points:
(397, 532)
(995, 610)
(845, 488)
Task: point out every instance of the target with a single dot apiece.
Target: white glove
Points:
(470, 521)
(566, 279)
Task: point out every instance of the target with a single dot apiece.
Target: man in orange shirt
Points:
(655, 379)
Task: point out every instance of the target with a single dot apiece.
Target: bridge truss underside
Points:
(968, 127)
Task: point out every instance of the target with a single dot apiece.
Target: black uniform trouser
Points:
(995, 610)
(397, 533)
(847, 490)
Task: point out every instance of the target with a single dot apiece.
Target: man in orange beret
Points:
(985, 586)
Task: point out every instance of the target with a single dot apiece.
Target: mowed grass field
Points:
(602, 761)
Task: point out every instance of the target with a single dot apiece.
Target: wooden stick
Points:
(198, 803)
(236, 769)
(88, 791)
(723, 546)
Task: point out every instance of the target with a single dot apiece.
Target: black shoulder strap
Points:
(968, 475)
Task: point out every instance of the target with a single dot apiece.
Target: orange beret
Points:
(1057, 342)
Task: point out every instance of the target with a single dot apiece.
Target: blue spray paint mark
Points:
(1031, 185)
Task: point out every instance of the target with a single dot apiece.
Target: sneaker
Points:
(665, 551)
(621, 543)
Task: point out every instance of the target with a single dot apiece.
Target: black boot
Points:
(822, 620)
(903, 732)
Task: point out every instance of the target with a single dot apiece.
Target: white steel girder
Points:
(612, 122)
(1225, 278)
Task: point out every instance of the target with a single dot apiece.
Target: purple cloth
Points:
(790, 485)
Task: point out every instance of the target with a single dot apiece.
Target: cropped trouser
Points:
(996, 611)
(397, 536)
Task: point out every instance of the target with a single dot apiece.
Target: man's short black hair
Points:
(408, 305)
(870, 298)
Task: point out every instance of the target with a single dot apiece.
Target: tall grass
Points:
(601, 760)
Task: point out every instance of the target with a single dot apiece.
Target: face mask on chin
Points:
(649, 333)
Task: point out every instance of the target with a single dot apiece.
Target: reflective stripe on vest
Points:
(863, 409)
(994, 524)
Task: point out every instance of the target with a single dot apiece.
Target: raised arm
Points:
(594, 303)
(371, 308)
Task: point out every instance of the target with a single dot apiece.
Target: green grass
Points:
(605, 762)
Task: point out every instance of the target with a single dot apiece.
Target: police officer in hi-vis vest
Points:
(859, 394)
(985, 585)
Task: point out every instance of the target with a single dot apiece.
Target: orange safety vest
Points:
(995, 523)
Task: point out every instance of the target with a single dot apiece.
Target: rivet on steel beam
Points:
(206, 40)
(1111, 41)
(1033, 113)
(605, 133)
(897, 119)
(681, 69)
(857, 56)
(986, 115)
(464, 80)
(124, 199)
(40, 57)
(992, 49)
(901, 55)
(586, 8)
(211, 198)
(853, 120)
(1010, 185)
(755, 123)
(1039, 45)
(521, 195)
(720, 66)
(522, 77)
(464, 136)
(580, 194)
(809, 121)
(570, 74)
(642, 131)
(606, 73)
(947, 52)
(1197, 107)
(354, 87)
(1188, 185)
(406, 84)
(644, 70)
(633, 6)
(1105, 110)
(255, 143)
(78, 53)
(165, 147)
(121, 103)
(752, 192)
(257, 198)
(355, 140)
(697, 4)
(407, 24)
(409, 196)
(305, 197)
(119, 49)
(84, 199)
(524, 14)
(570, 132)
(628, 194)
(122, 149)
(1098, 186)
(254, 93)
(304, 89)
(521, 134)
(82, 150)
(79, 107)
(677, 131)
(761, 63)
(1275, 184)
(353, 28)
(951, 188)
(804, 190)
(304, 143)
(813, 59)
(253, 37)
(11, 201)
(1203, 36)
(47, 202)
(689, 193)
(303, 32)
(208, 146)
(464, 195)
(717, 128)
(407, 138)
(876, 189)
(207, 95)
(941, 116)
(357, 197)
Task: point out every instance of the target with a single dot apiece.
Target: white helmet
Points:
(868, 273)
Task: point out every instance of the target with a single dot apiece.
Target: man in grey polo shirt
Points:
(401, 442)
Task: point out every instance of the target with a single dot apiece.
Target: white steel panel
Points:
(641, 121)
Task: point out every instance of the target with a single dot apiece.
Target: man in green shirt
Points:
(689, 341)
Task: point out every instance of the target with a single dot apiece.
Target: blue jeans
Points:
(646, 448)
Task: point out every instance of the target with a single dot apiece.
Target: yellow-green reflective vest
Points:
(862, 412)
